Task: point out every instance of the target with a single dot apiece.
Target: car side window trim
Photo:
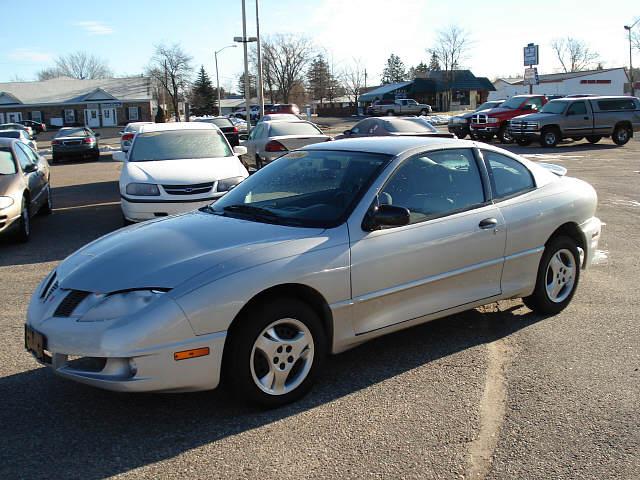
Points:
(497, 199)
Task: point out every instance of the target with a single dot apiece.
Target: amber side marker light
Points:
(196, 352)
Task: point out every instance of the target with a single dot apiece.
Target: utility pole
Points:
(215, 54)
(259, 89)
(365, 78)
(628, 29)
(247, 87)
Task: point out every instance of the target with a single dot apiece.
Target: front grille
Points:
(195, 189)
(479, 119)
(70, 302)
(86, 364)
(522, 126)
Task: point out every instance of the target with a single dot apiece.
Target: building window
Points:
(36, 116)
(69, 116)
(133, 113)
(14, 117)
(595, 81)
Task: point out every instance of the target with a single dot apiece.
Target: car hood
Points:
(8, 184)
(167, 252)
(534, 117)
(494, 111)
(185, 171)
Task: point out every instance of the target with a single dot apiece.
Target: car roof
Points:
(19, 132)
(598, 97)
(389, 145)
(280, 122)
(172, 126)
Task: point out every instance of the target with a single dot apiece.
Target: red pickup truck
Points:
(496, 121)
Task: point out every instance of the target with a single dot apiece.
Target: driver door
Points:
(451, 253)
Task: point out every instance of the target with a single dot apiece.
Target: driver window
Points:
(536, 103)
(435, 184)
(23, 158)
(577, 108)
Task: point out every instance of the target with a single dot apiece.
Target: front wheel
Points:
(549, 138)
(275, 352)
(593, 138)
(24, 223)
(389, 113)
(621, 135)
(461, 135)
(524, 142)
(423, 112)
(557, 279)
(504, 136)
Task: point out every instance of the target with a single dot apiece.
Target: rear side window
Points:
(294, 128)
(617, 104)
(7, 165)
(508, 176)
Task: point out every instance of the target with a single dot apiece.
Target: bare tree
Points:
(284, 59)
(452, 46)
(635, 41)
(574, 55)
(352, 78)
(80, 65)
(171, 68)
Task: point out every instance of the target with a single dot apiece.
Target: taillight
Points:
(87, 140)
(55, 142)
(275, 146)
(127, 137)
(235, 129)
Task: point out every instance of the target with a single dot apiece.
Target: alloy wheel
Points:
(561, 275)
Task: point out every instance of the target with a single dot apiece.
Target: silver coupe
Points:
(325, 248)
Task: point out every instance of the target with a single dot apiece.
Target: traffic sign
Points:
(531, 76)
(530, 55)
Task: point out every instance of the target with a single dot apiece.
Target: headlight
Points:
(5, 202)
(458, 120)
(492, 120)
(227, 184)
(119, 305)
(143, 189)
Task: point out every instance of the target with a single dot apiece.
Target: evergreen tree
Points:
(320, 81)
(203, 96)
(434, 63)
(394, 71)
(420, 68)
(253, 89)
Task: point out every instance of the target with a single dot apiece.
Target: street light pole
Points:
(259, 89)
(247, 89)
(628, 29)
(215, 54)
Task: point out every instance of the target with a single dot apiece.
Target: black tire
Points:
(24, 224)
(54, 159)
(539, 301)
(621, 135)
(504, 136)
(593, 138)
(425, 112)
(390, 113)
(549, 137)
(238, 369)
(258, 162)
(523, 142)
(461, 135)
(47, 207)
(95, 156)
(576, 139)
(126, 222)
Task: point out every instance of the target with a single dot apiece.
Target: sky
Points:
(124, 32)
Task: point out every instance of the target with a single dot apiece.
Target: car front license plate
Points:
(36, 343)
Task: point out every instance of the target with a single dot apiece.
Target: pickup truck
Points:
(484, 125)
(459, 125)
(577, 118)
(404, 106)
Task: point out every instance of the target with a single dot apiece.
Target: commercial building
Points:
(67, 101)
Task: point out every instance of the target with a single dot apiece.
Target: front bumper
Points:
(139, 210)
(8, 216)
(591, 230)
(459, 130)
(75, 150)
(484, 130)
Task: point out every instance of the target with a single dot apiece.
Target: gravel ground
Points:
(495, 392)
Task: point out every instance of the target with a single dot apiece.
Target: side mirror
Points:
(347, 132)
(386, 216)
(240, 150)
(97, 134)
(119, 156)
(32, 167)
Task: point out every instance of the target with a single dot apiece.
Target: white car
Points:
(129, 132)
(21, 135)
(176, 167)
(322, 250)
(272, 139)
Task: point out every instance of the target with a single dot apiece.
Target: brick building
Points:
(66, 101)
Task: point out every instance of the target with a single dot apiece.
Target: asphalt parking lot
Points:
(496, 393)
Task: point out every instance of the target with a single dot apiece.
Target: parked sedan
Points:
(324, 249)
(75, 142)
(393, 127)
(176, 167)
(17, 126)
(271, 139)
(21, 135)
(226, 126)
(24, 187)
(37, 127)
(128, 133)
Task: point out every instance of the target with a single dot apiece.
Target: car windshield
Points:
(71, 132)
(293, 128)
(409, 126)
(554, 107)
(315, 188)
(487, 105)
(513, 103)
(10, 134)
(179, 144)
(7, 165)
(11, 126)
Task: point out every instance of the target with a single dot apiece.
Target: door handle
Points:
(488, 223)
(586, 118)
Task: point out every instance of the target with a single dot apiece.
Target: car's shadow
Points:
(55, 428)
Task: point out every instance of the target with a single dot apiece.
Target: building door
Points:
(109, 117)
(14, 117)
(92, 117)
(1, 117)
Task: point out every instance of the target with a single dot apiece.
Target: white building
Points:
(610, 81)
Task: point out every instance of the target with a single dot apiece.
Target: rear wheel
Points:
(424, 112)
(558, 275)
(549, 137)
(621, 135)
(593, 138)
(274, 353)
(47, 207)
(576, 139)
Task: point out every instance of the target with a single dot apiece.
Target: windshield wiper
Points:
(263, 214)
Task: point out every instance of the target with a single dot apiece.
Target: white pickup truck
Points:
(403, 106)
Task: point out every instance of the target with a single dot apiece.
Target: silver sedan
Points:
(324, 249)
